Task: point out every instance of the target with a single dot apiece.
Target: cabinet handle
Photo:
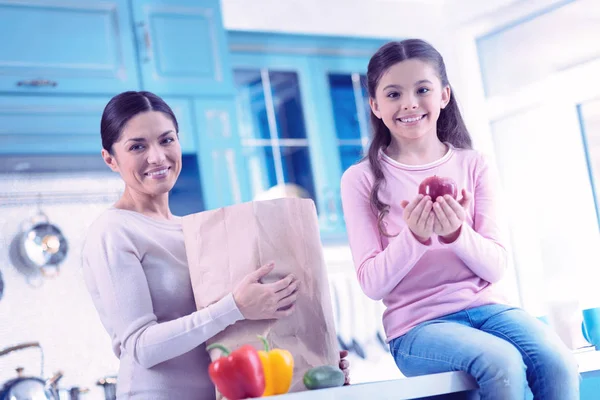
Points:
(147, 41)
(37, 83)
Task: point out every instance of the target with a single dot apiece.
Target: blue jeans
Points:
(504, 348)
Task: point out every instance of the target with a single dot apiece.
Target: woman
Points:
(135, 265)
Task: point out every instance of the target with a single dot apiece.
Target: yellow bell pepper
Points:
(278, 366)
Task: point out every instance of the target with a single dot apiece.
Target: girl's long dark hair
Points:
(450, 125)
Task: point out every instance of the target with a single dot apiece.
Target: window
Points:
(351, 112)
(589, 115)
(272, 131)
(555, 39)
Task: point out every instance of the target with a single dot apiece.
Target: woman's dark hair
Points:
(124, 106)
(450, 125)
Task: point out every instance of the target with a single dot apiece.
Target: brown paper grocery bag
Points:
(225, 245)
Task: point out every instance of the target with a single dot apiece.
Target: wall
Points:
(59, 314)
(374, 18)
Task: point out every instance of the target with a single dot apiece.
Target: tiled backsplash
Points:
(59, 314)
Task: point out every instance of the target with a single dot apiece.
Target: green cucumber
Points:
(323, 377)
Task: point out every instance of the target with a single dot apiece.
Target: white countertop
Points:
(397, 389)
(421, 386)
(588, 359)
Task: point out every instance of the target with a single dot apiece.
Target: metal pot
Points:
(42, 244)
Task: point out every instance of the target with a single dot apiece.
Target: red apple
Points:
(436, 186)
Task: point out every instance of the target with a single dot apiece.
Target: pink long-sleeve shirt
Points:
(419, 282)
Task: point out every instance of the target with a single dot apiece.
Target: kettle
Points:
(28, 387)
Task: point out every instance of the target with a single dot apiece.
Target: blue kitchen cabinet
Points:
(66, 47)
(69, 125)
(182, 107)
(331, 74)
(322, 168)
(219, 152)
(182, 47)
(50, 124)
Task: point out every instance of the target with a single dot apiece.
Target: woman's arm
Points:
(113, 273)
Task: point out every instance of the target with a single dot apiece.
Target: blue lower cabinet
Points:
(50, 125)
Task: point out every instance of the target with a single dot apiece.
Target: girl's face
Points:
(409, 98)
(148, 154)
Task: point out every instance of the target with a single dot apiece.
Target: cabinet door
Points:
(183, 112)
(50, 125)
(58, 47)
(182, 47)
(65, 125)
(219, 153)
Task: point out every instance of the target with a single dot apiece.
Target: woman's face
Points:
(148, 154)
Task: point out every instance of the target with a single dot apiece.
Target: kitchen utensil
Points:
(42, 246)
(346, 316)
(337, 315)
(73, 393)
(380, 331)
(109, 384)
(357, 318)
(1, 285)
(76, 392)
(28, 387)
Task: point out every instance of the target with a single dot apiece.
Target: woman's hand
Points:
(275, 300)
(418, 217)
(345, 366)
(450, 215)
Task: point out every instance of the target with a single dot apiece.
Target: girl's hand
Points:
(450, 215)
(419, 218)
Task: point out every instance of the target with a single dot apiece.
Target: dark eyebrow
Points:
(139, 140)
(416, 84)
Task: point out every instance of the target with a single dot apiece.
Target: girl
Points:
(135, 266)
(434, 262)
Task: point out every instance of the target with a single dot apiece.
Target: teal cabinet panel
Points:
(219, 153)
(182, 108)
(56, 125)
(50, 125)
(182, 47)
(66, 47)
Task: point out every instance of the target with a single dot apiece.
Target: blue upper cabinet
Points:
(182, 47)
(54, 46)
(187, 131)
(51, 124)
(222, 170)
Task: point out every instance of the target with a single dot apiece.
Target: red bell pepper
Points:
(239, 374)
